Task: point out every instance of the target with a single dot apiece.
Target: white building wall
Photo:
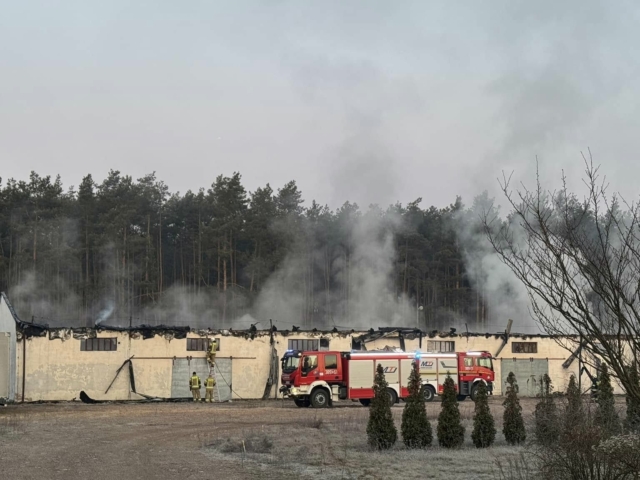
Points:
(57, 369)
(8, 365)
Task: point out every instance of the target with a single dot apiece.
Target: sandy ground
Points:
(204, 441)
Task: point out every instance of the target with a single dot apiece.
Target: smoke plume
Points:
(500, 294)
(357, 294)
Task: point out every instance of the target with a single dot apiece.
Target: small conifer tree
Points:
(450, 429)
(547, 427)
(632, 422)
(416, 429)
(606, 416)
(574, 413)
(484, 429)
(513, 424)
(381, 431)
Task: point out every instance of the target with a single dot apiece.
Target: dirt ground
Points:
(239, 440)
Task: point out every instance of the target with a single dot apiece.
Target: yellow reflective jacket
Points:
(195, 382)
(211, 382)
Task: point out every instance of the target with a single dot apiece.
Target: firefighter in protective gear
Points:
(211, 354)
(194, 383)
(210, 382)
(594, 387)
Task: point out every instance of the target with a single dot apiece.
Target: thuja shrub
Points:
(513, 424)
(606, 416)
(484, 429)
(586, 449)
(589, 454)
(547, 427)
(632, 421)
(450, 429)
(416, 429)
(381, 431)
(574, 410)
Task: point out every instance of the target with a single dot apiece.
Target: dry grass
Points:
(186, 440)
(332, 444)
(515, 468)
(338, 449)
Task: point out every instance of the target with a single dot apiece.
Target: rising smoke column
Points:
(502, 293)
(360, 294)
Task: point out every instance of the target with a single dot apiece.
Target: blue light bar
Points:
(418, 355)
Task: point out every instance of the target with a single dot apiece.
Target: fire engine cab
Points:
(319, 378)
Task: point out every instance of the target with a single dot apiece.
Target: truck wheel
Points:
(365, 401)
(301, 402)
(474, 391)
(461, 398)
(320, 398)
(428, 393)
(393, 396)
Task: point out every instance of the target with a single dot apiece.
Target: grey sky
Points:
(364, 101)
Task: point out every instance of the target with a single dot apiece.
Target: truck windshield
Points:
(485, 362)
(290, 364)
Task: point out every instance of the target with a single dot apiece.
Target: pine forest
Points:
(127, 250)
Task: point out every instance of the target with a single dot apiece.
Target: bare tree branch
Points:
(579, 261)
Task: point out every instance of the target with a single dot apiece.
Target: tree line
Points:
(115, 249)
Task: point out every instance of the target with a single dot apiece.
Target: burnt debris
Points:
(33, 329)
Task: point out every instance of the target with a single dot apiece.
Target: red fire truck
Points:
(319, 378)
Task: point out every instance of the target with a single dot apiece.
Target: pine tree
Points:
(484, 429)
(547, 428)
(632, 422)
(606, 416)
(381, 431)
(574, 412)
(513, 424)
(416, 429)
(450, 430)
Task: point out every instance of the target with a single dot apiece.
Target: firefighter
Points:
(210, 382)
(211, 354)
(595, 381)
(594, 387)
(194, 383)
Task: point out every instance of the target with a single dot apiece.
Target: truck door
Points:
(331, 368)
(467, 374)
(467, 366)
(310, 367)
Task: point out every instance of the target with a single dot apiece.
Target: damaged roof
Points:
(32, 329)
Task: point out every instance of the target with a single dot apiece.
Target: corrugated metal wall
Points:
(5, 369)
(184, 368)
(527, 372)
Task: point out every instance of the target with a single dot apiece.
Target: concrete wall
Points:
(57, 369)
(8, 364)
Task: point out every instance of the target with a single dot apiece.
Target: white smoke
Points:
(504, 296)
(204, 308)
(360, 293)
(105, 313)
(52, 302)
